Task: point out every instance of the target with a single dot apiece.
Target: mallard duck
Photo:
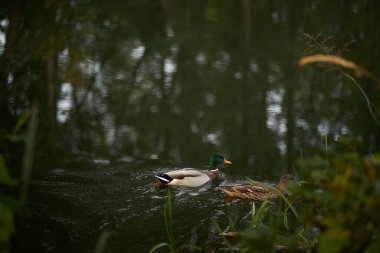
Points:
(192, 177)
(257, 192)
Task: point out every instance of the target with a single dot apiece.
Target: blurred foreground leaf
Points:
(5, 178)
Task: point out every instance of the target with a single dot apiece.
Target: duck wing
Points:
(184, 177)
(180, 174)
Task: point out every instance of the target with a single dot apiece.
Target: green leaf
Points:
(333, 240)
(259, 217)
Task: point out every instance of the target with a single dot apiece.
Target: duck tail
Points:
(164, 179)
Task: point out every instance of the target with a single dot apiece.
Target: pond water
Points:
(128, 89)
(72, 208)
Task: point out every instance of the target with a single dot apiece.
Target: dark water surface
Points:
(127, 89)
(72, 208)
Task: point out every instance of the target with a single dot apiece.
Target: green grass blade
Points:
(102, 241)
(253, 211)
(281, 195)
(366, 99)
(225, 240)
(271, 218)
(286, 223)
(259, 217)
(160, 245)
(29, 154)
(168, 216)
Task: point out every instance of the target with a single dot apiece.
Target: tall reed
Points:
(168, 218)
(29, 154)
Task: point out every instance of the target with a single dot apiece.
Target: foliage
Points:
(269, 229)
(9, 203)
(342, 193)
(258, 236)
(54, 42)
(337, 207)
(342, 199)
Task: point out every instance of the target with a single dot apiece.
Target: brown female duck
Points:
(257, 192)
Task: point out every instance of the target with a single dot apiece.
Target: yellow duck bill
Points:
(226, 162)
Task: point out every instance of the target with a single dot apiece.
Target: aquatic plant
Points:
(168, 218)
(343, 200)
(168, 227)
(342, 190)
(12, 204)
(269, 228)
(335, 211)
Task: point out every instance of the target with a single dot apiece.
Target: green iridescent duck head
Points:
(218, 161)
